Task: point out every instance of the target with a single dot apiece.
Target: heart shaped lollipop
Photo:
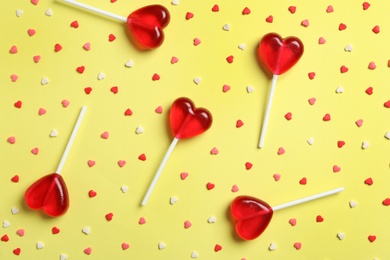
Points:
(253, 215)
(277, 55)
(145, 24)
(50, 193)
(186, 121)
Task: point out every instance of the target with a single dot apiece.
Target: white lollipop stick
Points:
(268, 110)
(159, 170)
(306, 199)
(71, 139)
(96, 10)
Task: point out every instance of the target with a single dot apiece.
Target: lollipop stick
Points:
(97, 10)
(268, 110)
(71, 139)
(306, 199)
(159, 170)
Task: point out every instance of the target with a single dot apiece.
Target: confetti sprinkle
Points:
(87, 46)
(310, 141)
(124, 189)
(15, 178)
(111, 37)
(187, 224)
(348, 48)
(371, 238)
(91, 163)
(326, 117)
(376, 29)
(44, 81)
(339, 90)
(303, 181)
(386, 202)
(13, 49)
(269, 19)
(319, 218)
(305, 23)
(272, 246)
(194, 254)
(92, 193)
(11, 139)
(49, 12)
(234, 188)
(142, 157)
(109, 216)
(321, 40)
(250, 89)
(142, 221)
(184, 175)
(161, 245)
(365, 145)
(125, 246)
(336, 168)
(226, 27)
(197, 80)
(369, 181)
(343, 69)
(329, 9)
(40, 245)
(311, 75)
(212, 220)
(139, 130)
(359, 122)
(248, 165)
(121, 163)
(88, 250)
(342, 27)
(74, 24)
(340, 235)
(210, 186)
(366, 5)
(292, 221)
(214, 151)
(14, 211)
(288, 116)
(217, 248)
(298, 245)
(242, 46)
(352, 204)
(55, 230)
(246, 11)
(189, 15)
(6, 224)
(215, 8)
(35, 151)
(17, 251)
(173, 200)
(276, 176)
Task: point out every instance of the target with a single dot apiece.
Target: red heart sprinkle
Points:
(326, 117)
(225, 88)
(340, 144)
(386, 202)
(183, 175)
(75, 24)
(371, 238)
(5, 238)
(366, 5)
(88, 90)
(109, 216)
(111, 38)
(278, 55)
(189, 15)
(155, 77)
(342, 27)
(369, 181)
(311, 75)
(252, 216)
(37, 58)
(288, 116)
(13, 49)
(18, 104)
(57, 47)
(239, 123)
(319, 218)
(92, 193)
(210, 186)
(276, 176)
(125, 246)
(246, 11)
(215, 8)
(336, 168)
(303, 181)
(292, 221)
(91, 163)
(50, 194)
(128, 112)
(217, 248)
(114, 89)
(269, 19)
(369, 90)
(65, 103)
(146, 26)
(188, 121)
(88, 250)
(55, 230)
(105, 135)
(292, 9)
(35, 150)
(343, 69)
(142, 157)
(15, 178)
(387, 104)
(230, 59)
(80, 69)
(248, 165)
(16, 251)
(376, 29)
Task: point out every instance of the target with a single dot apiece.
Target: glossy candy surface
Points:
(146, 25)
(278, 55)
(186, 120)
(50, 194)
(252, 216)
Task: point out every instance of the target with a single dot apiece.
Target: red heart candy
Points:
(146, 25)
(278, 55)
(50, 194)
(186, 120)
(252, 215)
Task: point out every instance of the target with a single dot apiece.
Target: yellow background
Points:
(236, 146)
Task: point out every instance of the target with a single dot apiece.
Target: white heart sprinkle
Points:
(341, 235)
(40, 245)
(53, 133)
(175, 2)
(173, 200)
(139, 130)
(124, 189)
(194, 254)
(352, 203)
(250, 89)
(101, 76)
(387, 135)
(44, 81)
(339, 90)
(129, 63)
(6, 224)
(348, 48)
(15, 211)
(365, 145)
(49, 12)
(310, 141)
(86, 230)
(242, 46)
(226, 27)
(19, 12)
(272, 246)
(212, 219)
(63, 256)
(161, 245)
(197, 80)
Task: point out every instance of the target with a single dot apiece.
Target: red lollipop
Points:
(145, 24)
(186, 121)
(50, 192)
(253, 215)
(276, 55)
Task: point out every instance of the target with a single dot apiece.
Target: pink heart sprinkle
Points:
(329, 9)
(184, 175)
(305, 23)
(104, 135)
(225, 88)
(20, 232)
(35, 150)
(13, 49)
(125, 246)
(87, 46)
(214, 151)
(91, 163)
(281, 151)
(31, 32)
(372, 65)
(336, 168)
(159, 110)
(292, 221)
(312, 101)
(276, 176)
(187, 224)
(142, 221)
(234, 188)
(11, 139)
(321, 40)
(65, 103)
(297, 245)
(269, 19)
(41, 111)
(121, 163)
(14, 77)
(196, 41)
(359, 122)
(174, 60)
(37, 58)
(88, 250)
(35, 2)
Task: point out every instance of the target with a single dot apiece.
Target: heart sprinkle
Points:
(281, 151)
(217, 248)
(239, 123)
(365, 145)
(225, 88)
(293, 221)
(326, 117)
(88, 250)
(352, 204)
(92, 193)
(15, 178)
(321, 40)
(129, 63)
(173, 200)
(20, 232)
(319, 218)
(189, 15)
(359, 122)
(272, 246)
(40, 245)
(343, 69)
(369, 91)
(369, 181)
(305, 23)
(276, 176)
(197, 41)
(269, 19)
(292, 9)
(125, 246)
(124, 189)
(142, 221)
(159, 110)
(248, 165)
(250, 89)
(155, 77)
(55, 230)
(161, 245)
(288, 116)
(386, 202)
(187, 224)
(6, 224)
(366, 6)
(174, 60)
(215, 8)
(214, 151)
(91, 163)
(63, 256)
(74, 24)
(87, 46)
(298, 245)
(139, 130)
(210, 186)
(105, 135)
(65, 103)
(101, 76)
(184, 175)
(234, 188)
(212, 219)
(194, 254)
(371, 238)
(341, 235)
(303, 181)
(49, 12)
(109, 216)
(121, 163)
(311, 75)
(310, 141)
(339, 90)
(14, 211)
(197, 80)
(329, 9)
(342, 27)
(128, 112)
(336, 168)
(142, 157)
(246, 11)
(376, 29)
(11, 139)
(348, 48)
(242, 46)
